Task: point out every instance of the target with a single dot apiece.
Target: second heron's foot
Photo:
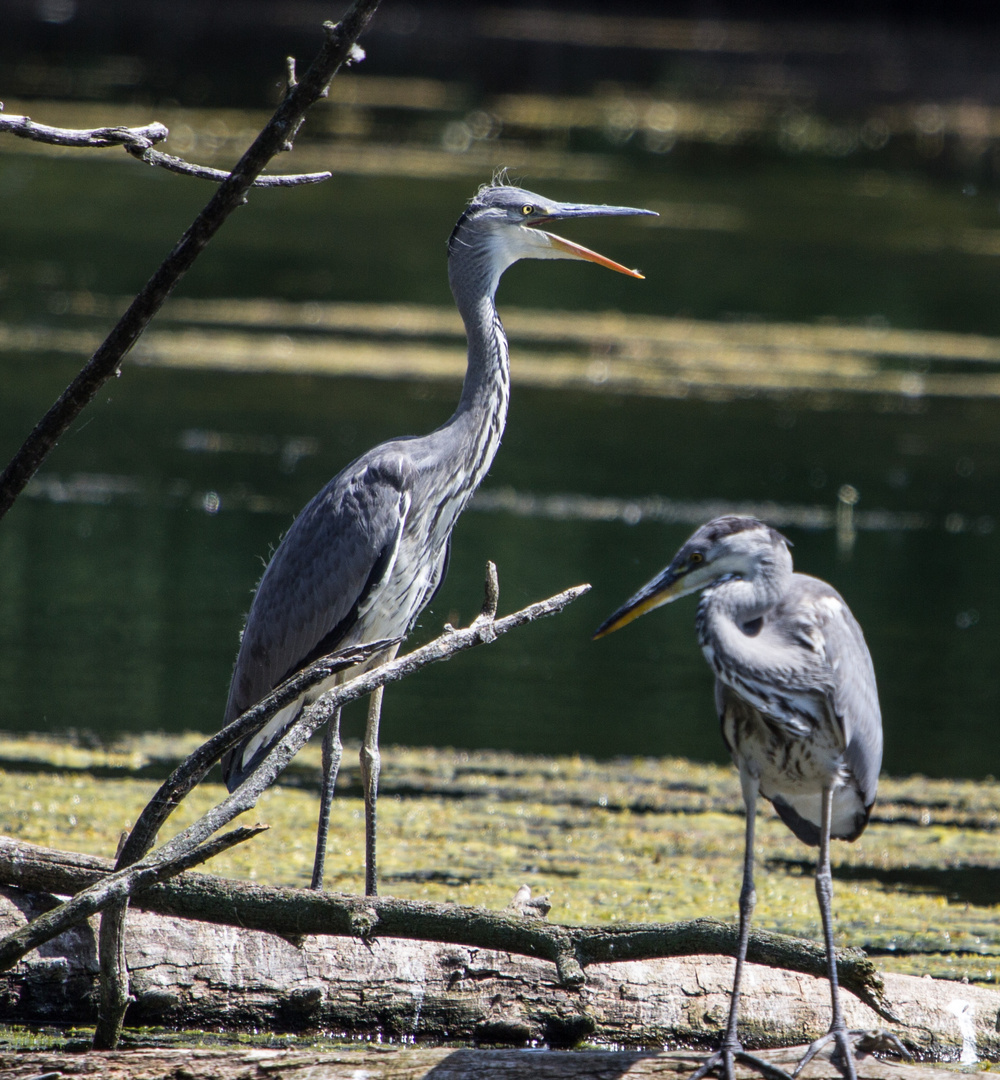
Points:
(851, 1045)
(722, 1064)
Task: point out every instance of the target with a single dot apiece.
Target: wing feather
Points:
(326, 569)
(853, 691)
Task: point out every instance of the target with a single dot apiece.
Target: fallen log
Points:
(297, 912)
(190, 974)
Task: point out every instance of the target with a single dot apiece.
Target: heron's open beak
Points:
(668, 585)
(568, 249)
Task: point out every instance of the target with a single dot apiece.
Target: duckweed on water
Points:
(623, 841)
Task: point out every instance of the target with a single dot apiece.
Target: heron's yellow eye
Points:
(527, 209)
(696, 557)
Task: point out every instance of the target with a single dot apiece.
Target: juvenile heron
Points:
(368, 553)
(796, 696)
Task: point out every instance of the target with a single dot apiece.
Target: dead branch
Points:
(138, 142)
(164, 861)
(114, 970)
(294, 912)
(204, 172)
(26, 128)
(338, 48)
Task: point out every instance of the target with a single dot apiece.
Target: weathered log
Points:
(294, 912)
(189, 974)
(417, 1063)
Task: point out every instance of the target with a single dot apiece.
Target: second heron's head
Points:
(724, 548)
(503, 224)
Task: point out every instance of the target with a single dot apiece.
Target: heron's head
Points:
(503, 224)
(726, 547)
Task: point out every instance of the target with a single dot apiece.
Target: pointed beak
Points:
(668, 585)
(570, 250)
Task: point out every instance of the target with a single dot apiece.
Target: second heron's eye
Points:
(527, 209)
(696, 557)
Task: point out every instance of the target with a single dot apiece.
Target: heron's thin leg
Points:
(333, 751)
(844, 1056)
(371, 763)
(748, 900)
(731, 1051)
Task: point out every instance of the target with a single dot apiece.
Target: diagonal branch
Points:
(196, 766)
(151, 868)
(338, 48)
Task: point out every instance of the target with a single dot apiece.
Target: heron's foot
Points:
(722, 1063)
(851, 1044)
(879, 1042)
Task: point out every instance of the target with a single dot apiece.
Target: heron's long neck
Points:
(475, 429)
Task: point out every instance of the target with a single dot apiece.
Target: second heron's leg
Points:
(731, 1051)
(844, 1056)
(333, 751)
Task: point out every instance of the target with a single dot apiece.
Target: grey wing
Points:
(854, 695)
(327, 567)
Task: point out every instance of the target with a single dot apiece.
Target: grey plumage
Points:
(368, 553)
(796, 696)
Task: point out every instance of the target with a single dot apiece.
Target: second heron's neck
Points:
(740, 600)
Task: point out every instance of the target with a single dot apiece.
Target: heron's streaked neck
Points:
(482, 408)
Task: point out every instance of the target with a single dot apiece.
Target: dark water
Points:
(121, 597)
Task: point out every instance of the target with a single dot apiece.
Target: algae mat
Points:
(631, 840)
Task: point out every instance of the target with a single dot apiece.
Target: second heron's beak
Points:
(566, 249)
(668, 585)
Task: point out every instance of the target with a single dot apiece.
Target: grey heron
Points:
(796, 696)
(367, 554)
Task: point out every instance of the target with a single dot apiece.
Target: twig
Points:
(139, 143)
(337, 49)
(307, 911)
(26, 128)
(204, 172)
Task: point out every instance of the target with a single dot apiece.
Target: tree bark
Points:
(198, 975)
(294, 912)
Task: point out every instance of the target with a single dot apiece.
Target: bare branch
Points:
(338, 47)
(120, 885)
(203, 172)
(26, 128)
(184, 778)
(139, 143)
(114, 981)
